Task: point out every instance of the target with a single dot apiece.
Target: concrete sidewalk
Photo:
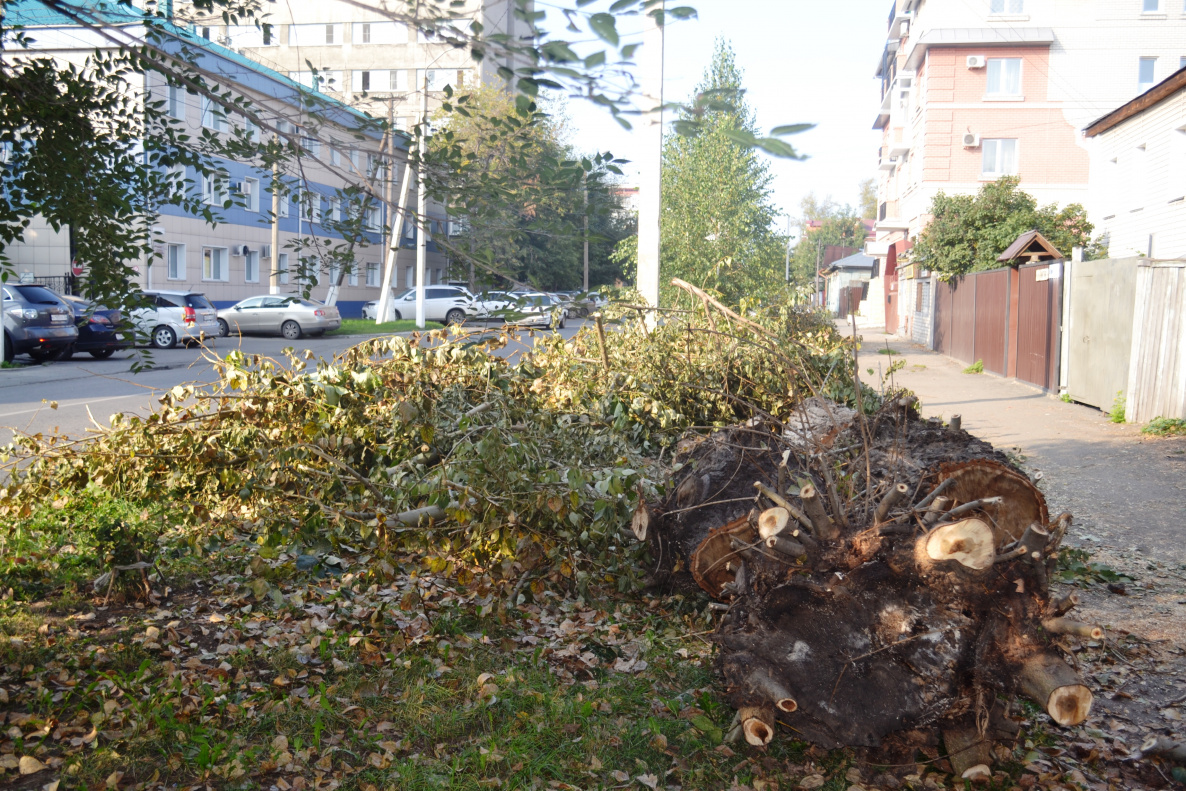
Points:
(1126, 491)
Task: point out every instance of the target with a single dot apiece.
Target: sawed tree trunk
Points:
(912, 610)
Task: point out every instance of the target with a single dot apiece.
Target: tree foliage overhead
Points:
(969, 232)
(717, 217)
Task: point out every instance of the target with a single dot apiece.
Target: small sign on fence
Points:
(1042, 274)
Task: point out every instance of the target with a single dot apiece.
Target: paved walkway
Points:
(1127, 491)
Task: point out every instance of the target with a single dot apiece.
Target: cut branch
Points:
(1053, 685)
(779, 500)
(1071, 627)
(968, 542)
(822, 525)
(757, 724)
(895, 495)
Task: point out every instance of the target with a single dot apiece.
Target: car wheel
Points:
(224, 329)
(67, 353)
(102, 354)
(455, 316)
(562, 320)
(290, 330)
(8, 348)
(164, 338)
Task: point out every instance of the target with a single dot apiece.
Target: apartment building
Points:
(374, 58)
(236, 258)
(976, 89)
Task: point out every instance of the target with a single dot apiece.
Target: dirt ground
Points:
(1127, 492)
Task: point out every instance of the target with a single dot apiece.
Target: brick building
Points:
(973, 90)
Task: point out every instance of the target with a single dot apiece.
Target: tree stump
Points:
(913, 609)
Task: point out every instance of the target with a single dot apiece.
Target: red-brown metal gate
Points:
(970, 318)
(992, 314)
(1039, 308)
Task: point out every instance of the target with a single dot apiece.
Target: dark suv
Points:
(37, 322)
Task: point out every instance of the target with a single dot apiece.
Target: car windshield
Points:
(198, 302)
(38, 295)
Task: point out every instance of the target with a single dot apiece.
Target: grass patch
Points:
(1166, 427)
(1116, 413)
(368, 327)
(888, 350)
(975, 368)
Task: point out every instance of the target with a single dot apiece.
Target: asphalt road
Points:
(86, 389)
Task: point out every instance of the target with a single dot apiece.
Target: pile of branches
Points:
(529, 464)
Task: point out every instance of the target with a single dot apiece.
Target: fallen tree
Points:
(885, 578)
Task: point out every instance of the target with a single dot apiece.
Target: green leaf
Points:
(708, 728)
(605, 26)
(790, 129)
(741, 137)
(595, 60)
(779, 148)
(528, 86)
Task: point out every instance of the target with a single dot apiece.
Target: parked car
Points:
(370, 309)
(446, 304)
(586, 304)
(37, 322)
(176, 315)
(538, 310)
(98, 329)
(286, 315)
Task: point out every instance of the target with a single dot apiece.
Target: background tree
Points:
(868, 200)
(717, 220)
(968, 232)
(823, 222)
(520, 188)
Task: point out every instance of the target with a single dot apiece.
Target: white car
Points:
(536, 309)
(446, 304)
(176, 316)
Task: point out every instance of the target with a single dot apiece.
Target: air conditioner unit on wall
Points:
(244, 187)
(971, 140)
(976, 61)
(241, 249)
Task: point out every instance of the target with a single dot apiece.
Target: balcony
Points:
(887, 163)
(899, 149)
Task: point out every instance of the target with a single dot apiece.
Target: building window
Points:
(437, 78)
(399, 80)
(176, 261)
(205, 32)
(335, 156)
(250, 190)
(373, 274)
(409, 276)
(284, 210)
(316, 35)
(176, 102)
(1150, 6)
(214, 264)
(213, 116)
(214, 190)
(1145, 72)
(335, 271)
(1006, 7)
(251, 266)
(311, 145)
(380, 33)
(251, 129)
(998, 158)
(250, 36)
(373, 217)
(334, 209)
(1004, 77)
(321, 80)
(352, 278)
(311, 206)
(282, 268)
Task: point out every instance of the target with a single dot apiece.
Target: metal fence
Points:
(63, 284)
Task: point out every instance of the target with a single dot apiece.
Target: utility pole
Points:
(819, 246)
(650, 63)
(384, 311)
(422, 204)
(273, 272)
(787, 275)
(585, 193)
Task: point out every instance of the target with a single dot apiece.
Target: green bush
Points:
(1166, 427)
(975, 368)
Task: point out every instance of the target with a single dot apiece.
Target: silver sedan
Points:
(285, 315)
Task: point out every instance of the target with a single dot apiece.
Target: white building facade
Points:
(1139, 173)
(373, 60)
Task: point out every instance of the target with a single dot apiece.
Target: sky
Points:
(803, 62)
